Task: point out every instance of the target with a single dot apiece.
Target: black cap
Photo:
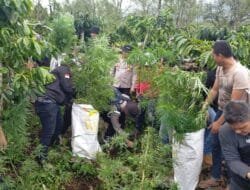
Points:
(95, 30)
(127, 48)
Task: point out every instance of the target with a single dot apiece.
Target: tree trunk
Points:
(159, 7)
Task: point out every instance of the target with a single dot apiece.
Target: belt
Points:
(45, 99)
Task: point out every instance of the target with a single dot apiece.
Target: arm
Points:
(134, 79)
(231, 154)
(236, 95)
(117, 126)
(115, 122)
(212, 94)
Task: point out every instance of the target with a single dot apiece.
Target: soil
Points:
(82, 184)
(205, 174)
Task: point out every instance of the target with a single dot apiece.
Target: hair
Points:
(132, 108)
(95, 30)
(222, 47)
(45, 61)
(236, 112)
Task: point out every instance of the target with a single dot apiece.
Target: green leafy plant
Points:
(180, 100)
(63, 32)
(147, 166)
(92, 79)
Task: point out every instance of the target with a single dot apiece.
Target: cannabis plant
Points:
(63, 32)
(92, 79)
(180, 101)
(147, 166)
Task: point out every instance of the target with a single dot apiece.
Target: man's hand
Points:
(204, 106)
(3, 141)
(129, 143)
(248, 175)
(131, 91)
(215, 126)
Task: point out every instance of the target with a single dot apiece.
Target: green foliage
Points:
(12, 11)
(180, 100)
(83, 23)
(191, 47)
(63, 34)
(84, 168)
(213, 34)
(31, 82)
(240, 43)
(147, 168)
(92, 79)
(15, 121)
(152, 31)
(52, 175)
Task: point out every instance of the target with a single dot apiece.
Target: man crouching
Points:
(235, 142)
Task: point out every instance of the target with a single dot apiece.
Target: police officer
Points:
(47, 106)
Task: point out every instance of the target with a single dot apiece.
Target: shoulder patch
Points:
(67, 76)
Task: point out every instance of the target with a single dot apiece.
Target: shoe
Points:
(209, 183)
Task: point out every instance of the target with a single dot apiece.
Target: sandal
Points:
(209, 183)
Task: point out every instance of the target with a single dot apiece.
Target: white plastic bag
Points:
(84, 131)
(187, 157)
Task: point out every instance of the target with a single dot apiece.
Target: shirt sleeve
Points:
(114, 117)
(241, 79)
(230, 151)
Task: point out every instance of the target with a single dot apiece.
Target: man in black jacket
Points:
(47, 106)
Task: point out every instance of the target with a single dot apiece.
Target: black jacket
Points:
(61, 90)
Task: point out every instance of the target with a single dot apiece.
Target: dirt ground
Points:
(205, 174)
(82, 184)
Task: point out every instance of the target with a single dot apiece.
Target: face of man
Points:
(218, 58)
(93, 35)
(241, 128)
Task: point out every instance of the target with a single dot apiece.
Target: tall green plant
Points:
(18, 43)
(148, 166)
(92, 79)
(63, 34)
(180, 100)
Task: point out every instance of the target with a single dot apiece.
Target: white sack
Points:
(188, 157)
(84, 131)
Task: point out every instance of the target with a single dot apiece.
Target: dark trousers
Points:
(216, 152)
(124, 91)
(50, 116)
(67, 117)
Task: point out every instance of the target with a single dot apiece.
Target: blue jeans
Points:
(208, 135)
(50, 116)
(216, 152)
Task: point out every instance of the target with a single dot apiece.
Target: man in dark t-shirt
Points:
(235, 143)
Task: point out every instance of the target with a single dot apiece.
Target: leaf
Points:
(3, 70)
(26, 42)
(26, 27)
(37, 47)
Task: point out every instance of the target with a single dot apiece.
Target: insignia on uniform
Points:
(67, 76)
